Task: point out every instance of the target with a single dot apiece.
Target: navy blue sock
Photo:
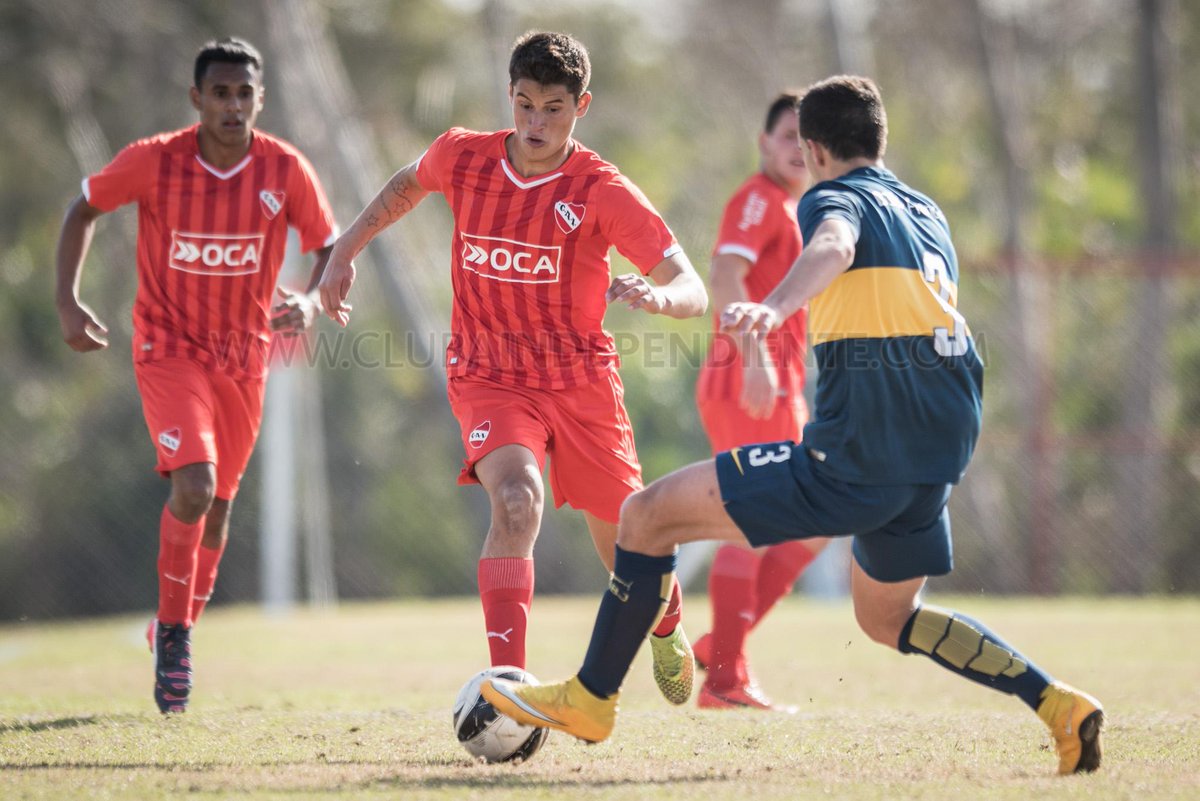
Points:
(967, 647)
(637, 593)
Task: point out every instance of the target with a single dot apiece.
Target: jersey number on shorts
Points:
(774, 453)
(947, 341)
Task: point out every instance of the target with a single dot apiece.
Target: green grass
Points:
(356, 703)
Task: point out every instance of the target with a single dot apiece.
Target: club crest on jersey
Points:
(170, 440)
(216, 254)
(568, 215)
(272, 202)
(510, 260)
(480, 434)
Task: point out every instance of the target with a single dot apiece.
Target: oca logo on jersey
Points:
(216, 254)
(510, 260)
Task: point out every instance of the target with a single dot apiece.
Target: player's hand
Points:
(635, 291)
(296, 313)
(749, 318)
(335, 287)
(760, 388)
(81, 329)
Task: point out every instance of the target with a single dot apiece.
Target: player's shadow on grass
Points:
(32, 726)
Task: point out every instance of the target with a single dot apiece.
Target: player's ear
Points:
(262, 95)
(194, 94)
(581, 107)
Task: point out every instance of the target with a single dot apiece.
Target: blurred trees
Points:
(1041, 95)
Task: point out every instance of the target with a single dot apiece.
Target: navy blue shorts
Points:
(777, 491)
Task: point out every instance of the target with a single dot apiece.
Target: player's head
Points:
(844, 118)
(231, 50)
(228, 90)
(548, 77)
(551, 59)
(779, 144)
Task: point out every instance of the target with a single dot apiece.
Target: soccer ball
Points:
(487, 734)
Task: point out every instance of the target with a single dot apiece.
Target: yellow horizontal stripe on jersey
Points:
(877, 302)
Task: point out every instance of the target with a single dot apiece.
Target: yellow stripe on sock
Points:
(928, 628)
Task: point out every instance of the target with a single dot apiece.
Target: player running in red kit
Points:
(215, 202)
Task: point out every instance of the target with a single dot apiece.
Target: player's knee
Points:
(639, 529)
(517, 503)
(192, 494)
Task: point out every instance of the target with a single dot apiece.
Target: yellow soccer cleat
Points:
(674, 665)
(1075, 720)
(567, 706)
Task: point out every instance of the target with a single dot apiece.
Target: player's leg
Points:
(208, 557)
(178, 408)
(238, 419)
(513, 481)
(504, 438)
(673, 665)
(886, 581)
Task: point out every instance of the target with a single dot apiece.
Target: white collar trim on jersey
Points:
(512, 176)
(227, 174)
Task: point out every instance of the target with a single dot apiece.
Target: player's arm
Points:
(297, 311)
(677, 290)
(398, 197)
(827, 255)
(760, 381)
(81, 329)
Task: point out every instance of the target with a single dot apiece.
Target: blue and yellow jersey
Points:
(899, 394)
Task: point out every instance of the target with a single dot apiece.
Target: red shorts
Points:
(585, 431)
(196, 415)
(728, 426)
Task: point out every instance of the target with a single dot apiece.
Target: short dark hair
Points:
(785, 103)
(845, 114)
(551, 58)
(229, 50)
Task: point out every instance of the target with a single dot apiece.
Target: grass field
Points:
(356, 704)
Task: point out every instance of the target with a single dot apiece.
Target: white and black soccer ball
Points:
(487, 734)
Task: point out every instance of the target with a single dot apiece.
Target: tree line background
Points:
(1057, 135)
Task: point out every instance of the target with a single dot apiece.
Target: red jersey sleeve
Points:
(629, 221)
(308, 209)
(747, 225)
(127, 178)
(433, 162)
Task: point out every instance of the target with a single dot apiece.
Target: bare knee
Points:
(517, 507)
(641, 528)
(193, 489)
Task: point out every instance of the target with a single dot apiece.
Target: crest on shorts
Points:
(170, 440)
(568, 215)
(480, 434)
(272, 202)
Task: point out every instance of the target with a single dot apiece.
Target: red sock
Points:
(781, 565)
(506, 590)
(674, 613)
(177, 544)
(731, 589)
(207, 560)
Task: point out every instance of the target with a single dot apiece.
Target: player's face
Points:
(544, 117)
(229, 99)
(782, 156)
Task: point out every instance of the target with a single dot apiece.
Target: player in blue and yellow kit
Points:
(897, 417)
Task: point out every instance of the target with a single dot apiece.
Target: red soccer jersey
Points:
(529, 259)
(759, 224)
(210, 243)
